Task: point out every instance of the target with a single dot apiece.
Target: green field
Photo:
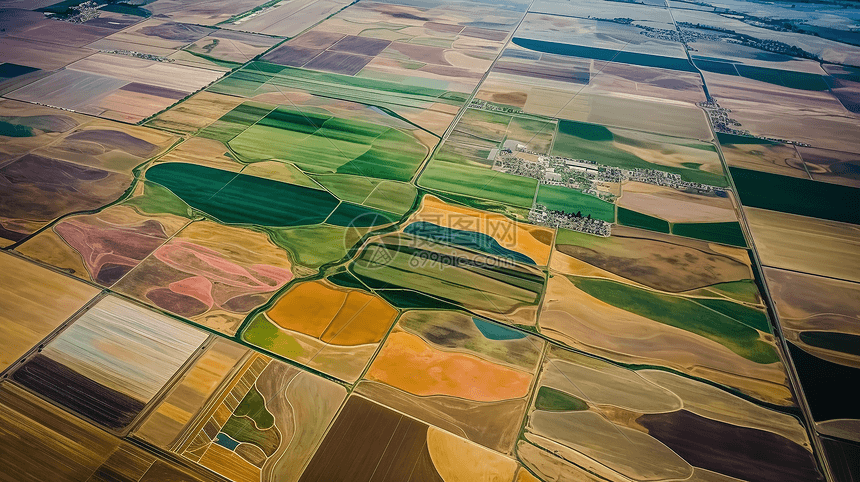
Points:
(566, 236)
(253, 406)
(797, 196)
(513, 212)
(348, 214)
(318, 142)
(553, 400)
(484, 124)
(744, 291)
(392, 196)
(460, 153)
(157, 200)
(262, 333)
(743, 314)
(571, 201)
(236, 121)
(726, 233)
(243, 429)
(234, 198)
(414, 300)
(634, 219)
(261, 77)
(466, 239)
(480, 183)
(535, 133)
(312, 246)
(581, 140)
(396, 262)
(347, 187)
(742, 140)
(687, 314)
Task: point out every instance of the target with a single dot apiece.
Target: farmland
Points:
(92, 355)
(337, 338)
(458, 365)
(210, 273)
(281, 413)
(429, 240)
(653, 398)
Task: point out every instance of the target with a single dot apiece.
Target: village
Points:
(586, 176)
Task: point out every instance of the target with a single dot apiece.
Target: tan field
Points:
(164, 425)
(831, 166)
(811, 303)
(57, 446)
(613, 434)
(203, 152)
(201, 12)
(80, 139)
(600, 383)
(660, 261)
(524, 475)
(117, 42)
(161, 74)
(764, 109)
(300, 405)
(334, 315)
(279, 171)
(195, 113)
(624, 450)
(810, 245)
(454, 459)
(676, 206)
(550, 467)
(776, 158)
(578, 320)
(491, 424)
(110, 146)
(49, 248)
(132, 107)
(117, 87)
(669, 151)
(40, 55)
(717, 404)
(438, 373)
(61, 123)
(647, 82)
(287, 19)
(37, 301)
(155, 32)
(631, 111)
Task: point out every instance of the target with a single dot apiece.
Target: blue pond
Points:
(226, 441)
(493, 331)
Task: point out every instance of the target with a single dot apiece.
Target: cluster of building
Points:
(140, 55)
(692, 32)
(484, 105)
(553, 170)
(85, 11)
(582, 173)
(720, 118)
(747, 40)
(540, 215)
(668, 179)
(723, 124)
